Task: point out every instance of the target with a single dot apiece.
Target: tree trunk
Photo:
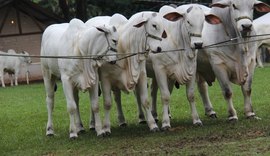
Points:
(65, 9)
(81, 10)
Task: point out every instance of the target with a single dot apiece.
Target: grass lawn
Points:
(23, 117)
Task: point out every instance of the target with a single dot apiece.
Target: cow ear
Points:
(23, 52)
(261, 7)
(102, 29)
(173, 16)
(212, 19)
(221, 4)
(140, 24)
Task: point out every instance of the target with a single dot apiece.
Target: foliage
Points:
(23, 117)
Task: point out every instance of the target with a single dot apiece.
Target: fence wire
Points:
(127, 55)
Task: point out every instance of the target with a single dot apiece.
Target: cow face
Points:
(194, 19)
(154, 32)
(112, 37)
(27, 59)
(242, 13)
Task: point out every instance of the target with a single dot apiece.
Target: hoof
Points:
(254, 117)
(198, 124)
(233, 119)
(82, 131)
(107, 134)
(123, 125)
(101, 134)
(165, 128)
(73, 136)
(50, 134)
(142, 122)
(156, 129)
(213, 116)
(92, 128)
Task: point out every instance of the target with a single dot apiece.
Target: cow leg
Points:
(16, 74)
(95, 107)
(92, 120)
(49, 87)
(11, 79)
(203, 90)
(107, 102)
(259, 58)
(246, 90)
(71, 105)
(165, 98)
(2, 77)
(191, 99)
(154, 90)
(225, 85)
(139, 107)
(142, 92)
(78, 121)
(27, 77)
(117, 99)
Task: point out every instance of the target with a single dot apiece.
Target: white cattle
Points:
(167, 67)
(180, 66)
(13, 64)
(142, 32)
(261, 27)
(229, 63)
(75, 40)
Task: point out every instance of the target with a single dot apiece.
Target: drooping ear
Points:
(140, 24)
(261, 7)
(102, 29)
(221, 4)
(173, 16)
(212, 19)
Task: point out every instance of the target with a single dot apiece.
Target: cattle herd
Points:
(181, 45)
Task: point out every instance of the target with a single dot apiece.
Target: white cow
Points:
(179, 66)
(168, 67)
(229, 64)
(142, 32)
(262, 26)
(75, 40)
(12, 65)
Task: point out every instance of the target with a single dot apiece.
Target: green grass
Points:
(23, 117)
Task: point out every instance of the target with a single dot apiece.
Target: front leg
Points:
(2, 77)
(225, 85)
(93, 93)
(142, 92)
(71, 105)
(191, 99)
(165, 98)
(203, 90)
(117, 99)
(246, 90)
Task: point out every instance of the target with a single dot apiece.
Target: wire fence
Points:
(127, 55)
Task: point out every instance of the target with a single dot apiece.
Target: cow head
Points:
(155, 31)
(242, 13)
(111, 36)
(194, 17)
(26, 59)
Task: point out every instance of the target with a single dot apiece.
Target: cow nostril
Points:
(112, 62)
(164, 34)
(246, 26)
(198, 45)
(159, 49)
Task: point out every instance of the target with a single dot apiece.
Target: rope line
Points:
(127, 55)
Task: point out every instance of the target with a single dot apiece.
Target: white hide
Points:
(262, 26)
(75, 39)
(229, 64)
(12, 65)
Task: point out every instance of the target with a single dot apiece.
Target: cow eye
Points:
(155, 26)
(114, 41)
(235, 8)
(189, 23)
